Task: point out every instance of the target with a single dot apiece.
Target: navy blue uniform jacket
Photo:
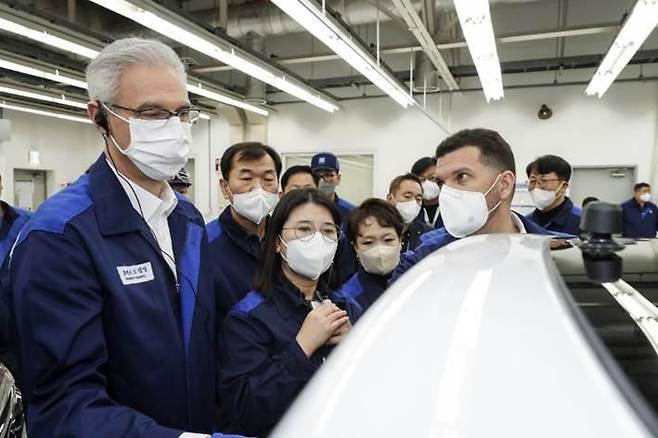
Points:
(12, 222)
(345, 257)
(640, 221)
(365, 288)
(439, 238)
(110, 345)
(567, 219)
(262, 366)
(235, 254)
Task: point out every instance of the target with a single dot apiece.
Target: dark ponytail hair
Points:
(270, 261)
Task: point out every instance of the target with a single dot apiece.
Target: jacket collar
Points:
(248, 242)
(373, 284)
(116, 213)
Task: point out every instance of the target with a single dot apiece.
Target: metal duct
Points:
(426, 78)
(255, 94)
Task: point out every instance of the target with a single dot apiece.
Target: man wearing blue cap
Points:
(326, 167)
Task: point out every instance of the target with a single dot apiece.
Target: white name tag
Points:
(136, 273)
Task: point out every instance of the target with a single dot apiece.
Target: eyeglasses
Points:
(305, 230)
(186, 115)
(540, 182)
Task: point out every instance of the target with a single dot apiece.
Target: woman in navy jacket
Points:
(276, 337)
(375, 230)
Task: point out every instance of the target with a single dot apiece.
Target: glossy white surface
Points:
(475, 341)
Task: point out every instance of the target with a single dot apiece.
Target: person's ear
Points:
(96, 115)
(226, 192)
(507, 184)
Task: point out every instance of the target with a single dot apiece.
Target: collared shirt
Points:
(155, 211)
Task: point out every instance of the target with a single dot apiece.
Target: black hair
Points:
(550, 163)
(384, 213)
(248, 151)
(494, 150)
(398, 180)
(589, 200)
(640, 186)
(294, 170)
(270, 261)
(422, 165)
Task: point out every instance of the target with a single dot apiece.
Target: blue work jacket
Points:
(235, 254)
(111, 344)
(365, 288)
(565, 220)
(262, 367)
(639, 222)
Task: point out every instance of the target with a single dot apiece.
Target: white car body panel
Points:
(475, 341)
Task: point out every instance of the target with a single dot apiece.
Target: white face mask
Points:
(543, 198)
(310, 258)
(431, 190)
(380, 259)
(255, 205)
(645, 197)
(326, 187)
(159, 148)
(464, 212)
(409, 210)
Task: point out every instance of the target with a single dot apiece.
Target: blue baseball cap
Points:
(325, 161)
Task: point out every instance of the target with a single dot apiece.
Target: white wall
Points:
(68, 148)
(620, 129)
(379, 126)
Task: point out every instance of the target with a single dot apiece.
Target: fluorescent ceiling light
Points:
(417, 27)
(46, 38)
(632, 35)
(204, 116)
(205, 92)
(259, 70)
(62, 100)
(32, 71)
(25, 109)
(475, 19)
(318, 22)
(42, 36)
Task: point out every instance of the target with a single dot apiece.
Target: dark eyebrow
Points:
(462, 170)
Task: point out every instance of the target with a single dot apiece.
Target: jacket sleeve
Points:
(58, 304)
(258, 383)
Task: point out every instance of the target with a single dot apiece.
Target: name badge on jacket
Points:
(136, 273)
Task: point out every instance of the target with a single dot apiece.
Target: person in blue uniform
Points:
(110, 280)
(375, 229)
(181, 182)
(640, 215)
(326, 167)
(405, 193)
(277, 336)
(430, 215)
(477, 174)
(12, 220)
(548, 181)
(250, 183)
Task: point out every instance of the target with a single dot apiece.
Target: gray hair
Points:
(104, 71)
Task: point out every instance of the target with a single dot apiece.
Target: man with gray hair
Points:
(111, 281)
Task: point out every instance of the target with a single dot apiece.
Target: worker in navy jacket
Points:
(548, 181)
(111, 283)
(276, 337)
(640, 215)
(326, 167)
(12, 221)
(250, 182)
(375, 229)
(405, 193)
(477, 172)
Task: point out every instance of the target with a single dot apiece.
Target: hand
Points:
(340, 333)
(319, 325)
